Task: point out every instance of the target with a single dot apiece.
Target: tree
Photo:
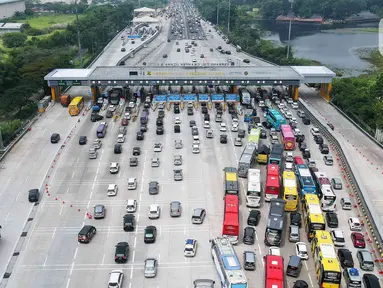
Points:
(15, 39)
(15, 99)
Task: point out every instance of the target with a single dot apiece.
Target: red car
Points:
(124, 122)
(358, 240)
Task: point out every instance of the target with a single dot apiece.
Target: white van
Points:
(92, 153)
(112, 190)
(345, 202)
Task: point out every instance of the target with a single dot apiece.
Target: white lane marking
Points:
(311, 281)
(54, 232)
(67, 191)
(17, 167)
(259, 249)
(88, 204)
(135, 242)
(61, 210)
(71, 269)
(94, 184)
(95, 178)
(75, 253)
(375, 156)
(159, 257)
(67, 283)
(78, 159)
(98, 169)
(109, 231)
(101, 157)
(26, 179)
(364, 146)
(45, 262)
(131, 274)
(140, 196)
(72, 174)
(91, 193)
(184, 230)
(103, 260)
(160, 230)
(130, 285)
(134, 254)
(6, 217)
(307, 268)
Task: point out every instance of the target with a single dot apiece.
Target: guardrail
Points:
(365, 207)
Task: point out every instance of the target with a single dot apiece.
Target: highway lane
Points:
(361, 150)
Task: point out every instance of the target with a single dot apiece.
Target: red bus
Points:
(274, 274)
(272, 188)
(231, 218)
(287, 137)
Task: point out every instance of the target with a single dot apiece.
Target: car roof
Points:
(131, 202)
(131, 179)
(150, 262)
(153, 207)
(190, 241)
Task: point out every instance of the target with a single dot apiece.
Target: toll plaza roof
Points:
(188, 74)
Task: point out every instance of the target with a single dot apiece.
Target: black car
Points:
(34, 195)
(228, 52)
(160, 130)
(122, 252)
(306, 121)
(160, 122)
(192, 123)
(161, 114)
(109, 114)
(323, 148)
(117, 148)
(150, 234)
(300, 138)
(370, 281)
(165, 56)
(332, 220)
(204, 110)
(223, 139)
(263, 134)
(266, 124)
(55, 138)
(246, 60)
(295, 219)
(331, 126)
(318, 139)
(140, 136)
(302, 146)
(153, 188)
(82, 140)
(144, 128)
(129, 222)
(176, 109)
(190, 111)
(96, 117)
(241, 133)
(136, 151)
(206, 117)
(253, 218)
(133, 162)
(300, 284)
(306, 153)
(345, 258)
(249, 235)
(177, 129)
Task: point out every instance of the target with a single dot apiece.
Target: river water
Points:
(335, 48)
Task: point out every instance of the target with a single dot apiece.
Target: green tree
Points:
(15, 99)
(15, 39)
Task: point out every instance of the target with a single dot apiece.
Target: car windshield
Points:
(188, 248)
(149, 235)
(98, 209)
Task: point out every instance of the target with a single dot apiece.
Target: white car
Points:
(154, 211)
(234, 128)
(115, 279)
(120, 138)
(127, 115)
(290, 100)
(190, 105)
(112, 108)
(206, 125)
(301, 250)
(280, 105)
(132, 105)
(273, 250)
(338, 237)
(315, 131)
(178, 144)
(195, 149)
(97, 144)
(112, 190)
(294, 105)
(289, 157)
(157, 147)
(177, 120)
(354, 224)
(289, 115)
(190, 248)
(114, 167)
(132, 184)
(289, 166)
(209, 133)
(194, 60)
(161, 106)
(261, 104)
(131, 207)
(196, 139)
(223, 127)
(296, 131)
(238, 142)
(155, 162)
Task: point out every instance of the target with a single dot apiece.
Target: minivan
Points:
(366, 262)
(86, 234)
(345, 202)
(370, 281)
(198, 216)
(294, 235)
(249, 260)
(294, 266)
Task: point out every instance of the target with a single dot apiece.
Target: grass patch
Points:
(369, 29)
(42, 22)
(45, 35)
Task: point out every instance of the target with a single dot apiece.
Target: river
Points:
(335, 48)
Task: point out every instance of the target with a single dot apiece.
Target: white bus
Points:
(253, 197)
(227, 264)
(327, 199)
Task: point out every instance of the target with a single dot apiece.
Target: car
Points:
(358, 240)
(160, 130)
(178, 175)
(369, 281)
(154, 211)
(116, 278)
(273, 250)
(96, 117)
(121, 253)
(136, 151)
(150, 266)
(249, 235)
(254, 217)
(223, 139)
(195, 131)
(175, 209)
(206, 125)
(122, 130)
(234, 128)
(124, 121)
(306, 121)
(196, 140)
(190, 247)
(337, 237)
(289, 166)
(192, 123)
(117, 148)
(140, 136)
(114, 167)
(55, 138)
(193, 60)
(301, 250)
(332, 220)
(150, 234)
(345, 258)
(302, 146)
(323, 148)
(132, 183)
(154, 187)
(195, 149)
(112, 190)
(274, 139)
(289, 157)
(131, 207)
(155, 162)
(97, 144)
(177, 160)
(246, 60)
(165, 55)
(133, 162)
(336, 183)
(218, 118)
(354, 224)
(120, 138)
(178, 144)
(209, 134)
(157, 147)
(33, 195)
(328, 160)
(223, 127)
(82, 140)
(177, 120)
(99, 211)
(190, 111)
(112, 108)
(296, 219)
(294, 105)
(365, 260)
(314, 131)
(331, 126)
(238, 142)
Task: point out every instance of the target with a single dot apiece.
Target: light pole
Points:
(217, 12)
(228, 18)
(288, 41)
(78, 37)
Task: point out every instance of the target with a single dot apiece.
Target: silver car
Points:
(178, 176)
(150, 269)
(175, 209)
(177, 160)
(99, 212)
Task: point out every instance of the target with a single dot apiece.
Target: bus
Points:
(287, 137)
(325, 192)
(227, 264)
(312, 215)
(247, 159)
(306, 181)
(76, 106)
(290, 192)
(275, 223)
(144, 117)
(274, 271)
(253, 198)
(245, 96)
(248, 114)
(275, 119)
(327, 267)
(230, 182)
(276, 153)
(272, 187)
(255, 133)
(231, 219)
(114, 95)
